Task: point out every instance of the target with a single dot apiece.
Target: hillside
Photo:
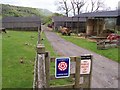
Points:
(9, 10)
(17, 11)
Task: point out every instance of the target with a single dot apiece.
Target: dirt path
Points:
(105, 71)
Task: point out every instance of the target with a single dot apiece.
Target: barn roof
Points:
(67, 19)
(20, 22)
(102, 14)
(21, 19)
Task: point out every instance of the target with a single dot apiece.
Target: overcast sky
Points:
(49, 4)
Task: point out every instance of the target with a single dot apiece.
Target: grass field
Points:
(18, 46)
(111, 53)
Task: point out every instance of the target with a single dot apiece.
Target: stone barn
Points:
(98, 21)
(73, 23)
(22, 23)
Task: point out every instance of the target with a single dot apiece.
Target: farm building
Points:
(98, 21)
(75, 24)
(118, 18)
(91, 23)
(21, 23)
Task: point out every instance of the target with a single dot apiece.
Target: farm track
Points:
(105, 71)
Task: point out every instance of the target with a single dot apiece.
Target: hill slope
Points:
(10, 10)
(17, 11)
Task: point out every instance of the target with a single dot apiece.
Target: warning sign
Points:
(85, 66)
(62, 67)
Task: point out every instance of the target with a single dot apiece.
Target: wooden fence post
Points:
(40, 49)
(77, 73)
(87, 77)
(90, 78)
(39, 37)
(41, 83)
(47, 69)
(41, 66)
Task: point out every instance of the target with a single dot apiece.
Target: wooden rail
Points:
(86, 78)
(42, 72)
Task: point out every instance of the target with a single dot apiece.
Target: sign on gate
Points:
(62, 67)
(85, 66)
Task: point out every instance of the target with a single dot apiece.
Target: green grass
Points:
(111, 53)
(14, 48)
(18, 45)
(61, 82)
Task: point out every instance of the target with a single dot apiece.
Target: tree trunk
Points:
(73, 7)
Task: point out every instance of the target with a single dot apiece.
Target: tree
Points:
(57, 14)
(73, 7)
(63, 5)
(96, 4)
(79, 4)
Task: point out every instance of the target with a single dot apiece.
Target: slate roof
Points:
(67, 19)
(20, 22)
(21, 19)
(102, 14)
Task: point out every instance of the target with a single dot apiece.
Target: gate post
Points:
(90, 79)
(40, 49)
(47, 68)
(77, 74)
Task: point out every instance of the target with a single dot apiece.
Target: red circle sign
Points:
(62, 66)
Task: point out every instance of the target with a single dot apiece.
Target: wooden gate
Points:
(42, 75)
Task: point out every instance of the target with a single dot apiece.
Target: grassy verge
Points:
(49, 48)
(111, 53)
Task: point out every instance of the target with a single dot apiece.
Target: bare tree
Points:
(79, 4)
(76, 5)
(92, 5)
(73, 7)
(96, 4)
(63, 5)
(86, 8)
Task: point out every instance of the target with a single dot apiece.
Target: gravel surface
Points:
(104, 72)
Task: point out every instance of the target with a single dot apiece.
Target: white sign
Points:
(85, 66)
